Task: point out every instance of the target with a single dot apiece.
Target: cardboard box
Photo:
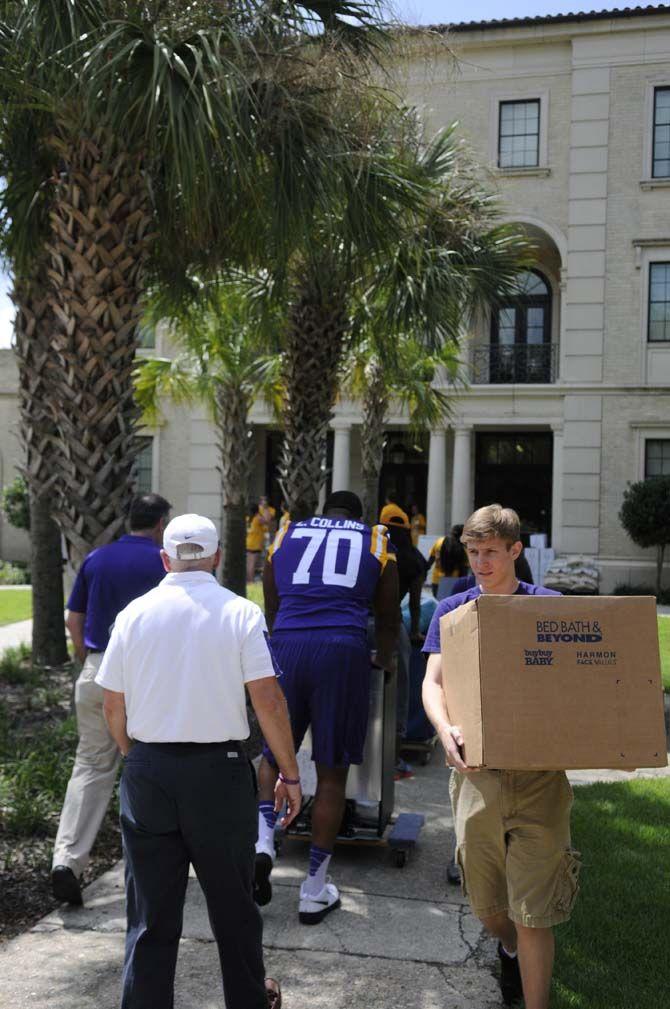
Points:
(550, 682)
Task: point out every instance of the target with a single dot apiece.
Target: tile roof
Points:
(550, 19)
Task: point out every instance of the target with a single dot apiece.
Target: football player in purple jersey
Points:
(322, 579)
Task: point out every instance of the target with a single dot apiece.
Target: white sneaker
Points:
(314, 908)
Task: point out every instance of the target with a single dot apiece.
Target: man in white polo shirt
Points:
(174, 677)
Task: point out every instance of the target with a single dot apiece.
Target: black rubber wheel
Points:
(399, 858)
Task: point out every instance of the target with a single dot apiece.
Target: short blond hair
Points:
(492, 521)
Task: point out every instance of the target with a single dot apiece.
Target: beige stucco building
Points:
(569, 395)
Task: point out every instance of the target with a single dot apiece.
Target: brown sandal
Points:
(273, 992)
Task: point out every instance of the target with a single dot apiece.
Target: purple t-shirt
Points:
(110, 578)
(432, 642)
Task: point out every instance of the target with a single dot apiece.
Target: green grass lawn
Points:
(664, 642)
(255, 593)
(15, 604)
(614, 952)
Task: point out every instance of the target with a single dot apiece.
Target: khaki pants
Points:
(93, 775)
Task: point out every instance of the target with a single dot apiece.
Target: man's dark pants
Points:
(187, 803)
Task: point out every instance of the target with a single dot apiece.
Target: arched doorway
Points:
(521, 347)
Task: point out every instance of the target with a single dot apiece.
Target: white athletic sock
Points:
(318, 867)
(266, 829)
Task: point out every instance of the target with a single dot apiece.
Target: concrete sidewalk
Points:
(19, 633)
(403, 936)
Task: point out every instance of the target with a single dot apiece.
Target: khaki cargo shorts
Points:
(513, 844)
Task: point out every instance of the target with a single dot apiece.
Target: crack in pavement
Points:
(377, 893)
(466, 942)
(451, 986)
(363, 956)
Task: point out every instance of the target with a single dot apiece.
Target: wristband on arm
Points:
(288, 781)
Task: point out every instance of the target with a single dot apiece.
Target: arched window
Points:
(521, 334)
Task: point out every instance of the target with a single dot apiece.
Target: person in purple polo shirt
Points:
(512, 827)
(110, 578)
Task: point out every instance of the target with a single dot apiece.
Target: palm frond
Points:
(156, 378)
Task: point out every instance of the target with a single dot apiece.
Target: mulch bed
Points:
(25, 860)
(25, 887)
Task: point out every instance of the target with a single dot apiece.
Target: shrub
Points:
(14, 574)
(34, 778)
(15, 503)
(15, 667)
(645, 515)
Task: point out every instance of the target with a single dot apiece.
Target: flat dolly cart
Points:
(369, 819)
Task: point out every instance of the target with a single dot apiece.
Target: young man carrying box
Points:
(512, 827)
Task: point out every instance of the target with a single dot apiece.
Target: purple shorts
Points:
(326, 681)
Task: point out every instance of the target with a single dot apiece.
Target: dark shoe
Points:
(454, 873)
(510, 977)
(262, 884)
(403, 770)
(65, 885)
(273, 992)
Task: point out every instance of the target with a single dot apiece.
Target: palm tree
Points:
(176, 136)
(23, 168)
(410, 377)
(360, 229)
(33, 326)
(225, 362)
(434, 255)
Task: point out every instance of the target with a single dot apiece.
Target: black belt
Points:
(95, 651)
(187, 748)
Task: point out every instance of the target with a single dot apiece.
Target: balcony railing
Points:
(521, 363)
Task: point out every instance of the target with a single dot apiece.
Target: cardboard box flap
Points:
(459, 640)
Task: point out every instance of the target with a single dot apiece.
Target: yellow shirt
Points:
(256, 533)
(418, 527)
(435, 554)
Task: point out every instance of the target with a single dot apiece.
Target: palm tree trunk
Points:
(46, 568)
(33, 328)
(315, 343)
(375, 406)
(100, 224)
(235, 452)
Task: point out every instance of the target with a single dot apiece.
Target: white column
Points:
(557, 488)
(436, 504)
(461, 488)
(341, 457)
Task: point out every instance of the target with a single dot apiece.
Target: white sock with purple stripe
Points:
(319, 860)
(267, 818)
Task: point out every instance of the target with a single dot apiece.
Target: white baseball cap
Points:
(190, 537)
